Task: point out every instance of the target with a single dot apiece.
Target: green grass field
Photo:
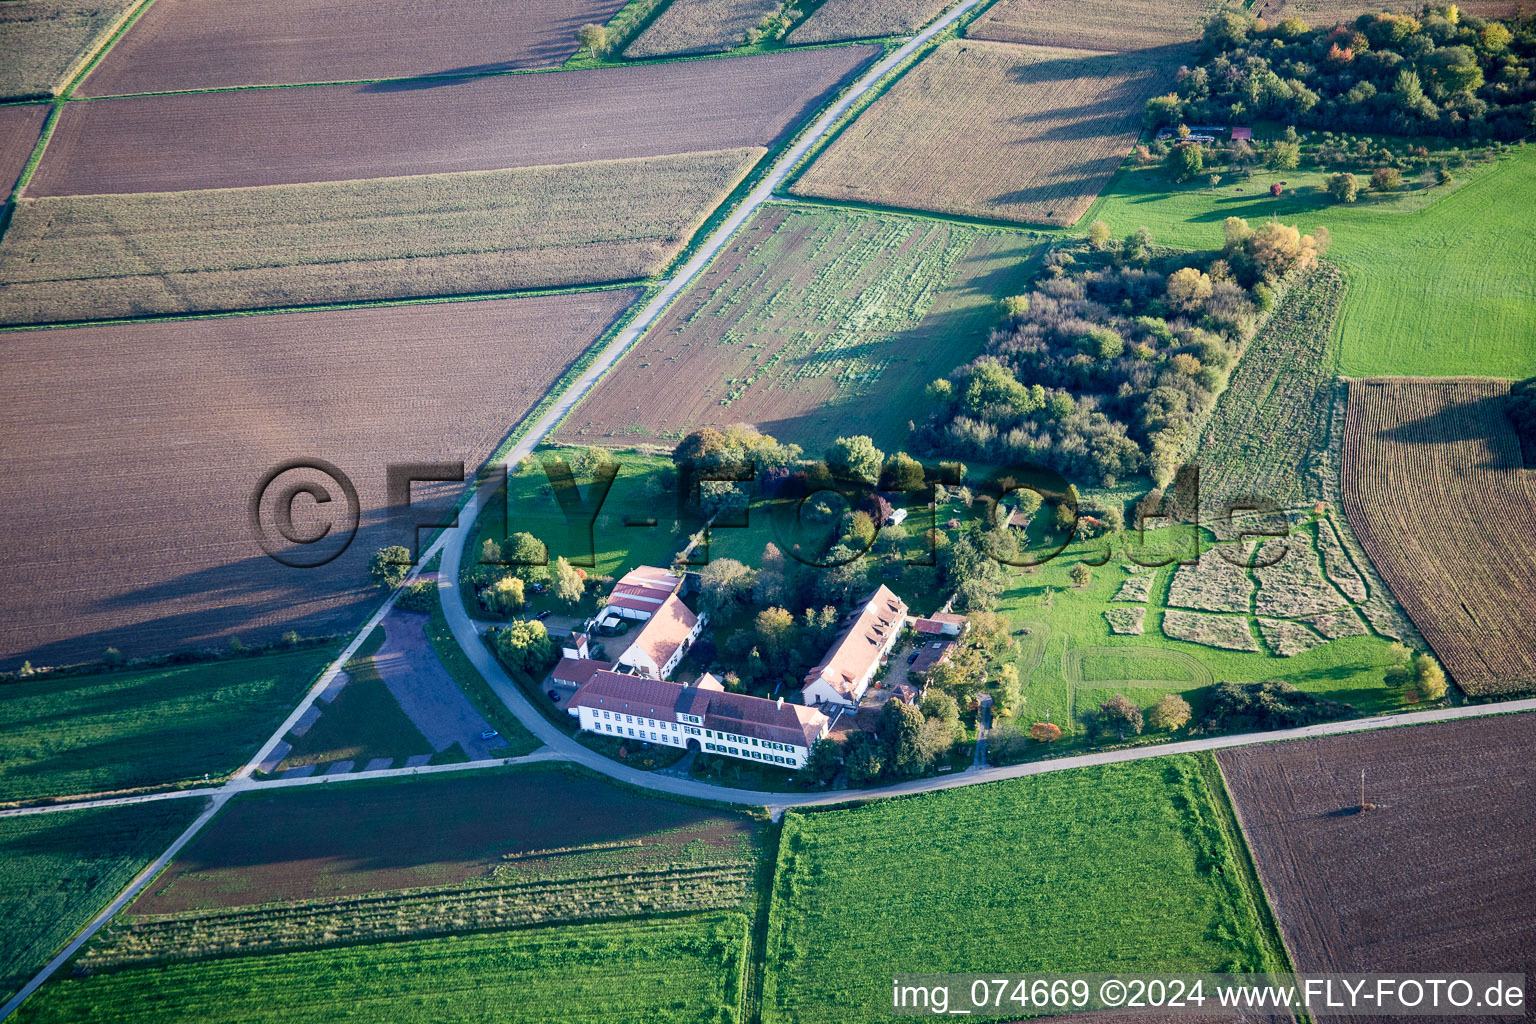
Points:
(1439, 282)
(58, 870)
(151, 727)
(1070, 662)
(1116, 868)
(685, 969)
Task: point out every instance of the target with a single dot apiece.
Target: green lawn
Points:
(1116, 868)
(58, 870)
(684, 969)
(1440, 282)
(1070, 662)
(142, 728)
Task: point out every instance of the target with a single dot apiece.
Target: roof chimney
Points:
(781, 703)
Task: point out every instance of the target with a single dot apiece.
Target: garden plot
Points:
(1337, 565)
(1224, 631)
(1293, 587)
(1211, 584)
(1288, 639)
(1129, 621)
(1338, 624)
(1136, 588)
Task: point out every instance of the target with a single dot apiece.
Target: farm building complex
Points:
(700, 717)
(845, 673)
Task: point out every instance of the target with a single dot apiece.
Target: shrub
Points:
(1386, 179)
(1344, 188)
(1170, 713)
(390, 566)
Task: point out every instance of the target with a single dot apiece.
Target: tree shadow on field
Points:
(1477, 420)
(450, 76)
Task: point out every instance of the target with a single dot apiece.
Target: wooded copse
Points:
(1441, 74)
(1114, 361)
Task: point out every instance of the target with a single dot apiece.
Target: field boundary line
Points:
(123, 898)
(235, 787)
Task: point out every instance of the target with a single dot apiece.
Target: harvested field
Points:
(1268, 435)
(1438, 877)
(20, 127)
(949, 135)
(1129, 621)
(1094, 24)
(1222, 631)
(45, 43)
(91, 458)
(1435, 491)
(1337, 565)
(205, 44)
(1326, 12)
(812, 323)
(250, 137)
(1336, 625)
(77, 258)
(700, 26)
(546, 825)
(866, 19)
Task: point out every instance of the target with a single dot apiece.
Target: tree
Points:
(1428, 678)
(900, 726)
(1170, 713)
(1275, 190)
(1186, 161)
(1344, 187)
(1214, 180)
(861, 756)
(775, 628)
(1006, 694)
(1098, 235)
(1081, 575)
(527, 556)
(1012, 305)
(504, 596)
(592, 38)
(1386, 179)
(524, 646)
(1120, 713)
(1284, 156)
(820, 764)
(1045, 732)
(569, 585)
(724, 582)
(938, 706)
(856, 458)
(390, 566)
(1188, 288)
(902, 473)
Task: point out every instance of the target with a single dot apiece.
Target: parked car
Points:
(912, 657)
(554, 695)
(542, 615)
(538, 588)
(489, 734)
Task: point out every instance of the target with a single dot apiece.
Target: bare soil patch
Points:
(994, 130)
(1094, 24)
(1436, 878)
(340, 133)
(133, 451)
(1435, 490)
(813, 323)
(866, 19)
(73, 258)
(700, 26)
(365, 838)
(208, 44)
(20, 127)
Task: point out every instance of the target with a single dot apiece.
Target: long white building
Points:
(702, 717)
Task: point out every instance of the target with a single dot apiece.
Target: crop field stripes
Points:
(420, 913)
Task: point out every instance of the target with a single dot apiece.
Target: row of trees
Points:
(1442, 74)
(1110, 365)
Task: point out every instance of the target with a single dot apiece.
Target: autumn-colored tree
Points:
(592, 38)
(1170, 713)
(1428, 678)
(1045, 732)
(1081, 575)
(1120, 713)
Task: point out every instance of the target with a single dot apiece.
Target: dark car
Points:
(912, 657)
(554, 695)
(542, 615)
(489, 734)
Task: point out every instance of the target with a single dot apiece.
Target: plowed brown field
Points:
(206, 44)
(321, 842)
(339, 133)
(1436, 879)
(1434, 488)
(132, 451)
(19, 129)
(980, 129)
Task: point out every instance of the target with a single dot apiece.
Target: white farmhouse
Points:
(702, 717)
(849, 667)
(664, 639)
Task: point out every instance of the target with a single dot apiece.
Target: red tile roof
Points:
(862, 643)
(578, 670)
(721, 711)
(666, 631)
